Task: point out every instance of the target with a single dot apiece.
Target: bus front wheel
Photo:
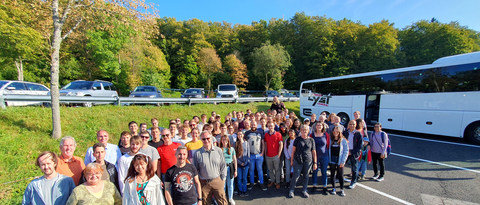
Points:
(344, 119)
(473, 133)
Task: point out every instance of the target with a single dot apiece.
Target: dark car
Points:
(288, 95)
(271, 93)
(193, 93)
(146, 92)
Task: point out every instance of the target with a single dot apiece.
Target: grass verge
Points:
(25, 132)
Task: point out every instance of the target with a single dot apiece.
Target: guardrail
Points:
(133, 100)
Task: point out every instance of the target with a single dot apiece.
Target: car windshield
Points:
(227, 88)
(145, 89)
(193, 91)
(2, 83)
(81, 85)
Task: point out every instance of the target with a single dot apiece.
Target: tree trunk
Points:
(19, 65)
(54, 72)
(267, 83)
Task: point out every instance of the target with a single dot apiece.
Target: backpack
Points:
(389, 145)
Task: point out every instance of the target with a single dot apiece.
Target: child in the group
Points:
(365, 155)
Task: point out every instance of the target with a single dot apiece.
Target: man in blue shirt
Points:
(52, 188)
(112, 151)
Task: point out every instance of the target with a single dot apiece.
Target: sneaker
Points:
(325, 191)
(264, 188)
(342, 193)
(375, 176)
(271, 184)
(232, 202)
(287, 185)
(235, 192)
(333, 192)
(352, 186)
(250, 186)
(362, 177)
(336, 180)
(241, 194)
(305, 194)
(291, 195)
(314, 188)
(245, 194)
(277, 186)
(379, 179)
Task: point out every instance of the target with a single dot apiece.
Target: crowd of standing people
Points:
(209, 159)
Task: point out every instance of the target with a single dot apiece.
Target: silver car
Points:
(146, 92)
(22, 88)
(97, 88)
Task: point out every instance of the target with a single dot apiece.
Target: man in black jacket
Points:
(354, 145)
(109, 169)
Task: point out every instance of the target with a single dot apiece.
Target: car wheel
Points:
(344, 119)
(46, 104)
(87, 104)
(472, 133)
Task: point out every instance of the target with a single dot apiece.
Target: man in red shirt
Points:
(273, 148)
(167, 153)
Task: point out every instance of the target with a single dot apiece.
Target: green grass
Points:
(25, 132)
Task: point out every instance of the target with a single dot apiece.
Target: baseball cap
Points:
(366, 139)
(306, 119)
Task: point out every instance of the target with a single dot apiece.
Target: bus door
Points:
(372, 109)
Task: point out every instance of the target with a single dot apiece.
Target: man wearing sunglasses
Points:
(167, 154)
(212, 170)
(149, 150)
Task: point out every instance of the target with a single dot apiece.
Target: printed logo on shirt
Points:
(184, 181)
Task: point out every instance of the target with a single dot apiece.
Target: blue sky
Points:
(400, 12)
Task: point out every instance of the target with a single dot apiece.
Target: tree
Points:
(20, 42)
(78, 12)
(270, 61)
(209, 63)
(425, 41)
(237, 70)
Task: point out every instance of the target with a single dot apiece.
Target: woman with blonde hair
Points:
(95, 191)
(231, 160)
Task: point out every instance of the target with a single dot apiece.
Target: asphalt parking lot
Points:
(420, 170)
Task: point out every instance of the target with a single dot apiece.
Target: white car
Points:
(227, 91)
(14, 87)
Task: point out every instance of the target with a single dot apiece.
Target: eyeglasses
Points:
(145, 137)
(205, 139)
(192, 125)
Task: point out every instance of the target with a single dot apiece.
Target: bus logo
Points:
(320, 100)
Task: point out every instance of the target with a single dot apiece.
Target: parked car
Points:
(288, 95)
(146, 92)
(193, 93)
(283, 90)
(22, 88)
(227, 91)
(97, 88)
(271, 93)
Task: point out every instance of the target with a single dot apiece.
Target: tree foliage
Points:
(209, 63)
(271, 61)
(237, 70)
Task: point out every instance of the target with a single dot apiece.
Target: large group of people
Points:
(210, 159)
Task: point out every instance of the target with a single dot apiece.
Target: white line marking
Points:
(438, 163)
(430, 140)
(381, 193)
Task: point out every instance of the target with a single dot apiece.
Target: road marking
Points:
(430, 140)
(438, 163)
(434, 200)
(381, 193)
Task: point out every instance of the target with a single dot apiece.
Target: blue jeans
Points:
(354, 163)
(256, 161)
(362, 167)
(229, 185)
(242, 178)
(322, 164)
(288, 170)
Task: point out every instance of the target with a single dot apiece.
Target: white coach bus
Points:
(441, 98)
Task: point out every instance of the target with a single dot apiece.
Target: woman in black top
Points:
(303, 157)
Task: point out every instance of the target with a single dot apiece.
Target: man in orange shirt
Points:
(167, 153)
(68, 164)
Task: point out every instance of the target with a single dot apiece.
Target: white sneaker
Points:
(232, 202)
(352, 186)
(291, 195)
(380, 179)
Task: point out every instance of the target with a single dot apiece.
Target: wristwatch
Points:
(200, 199)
